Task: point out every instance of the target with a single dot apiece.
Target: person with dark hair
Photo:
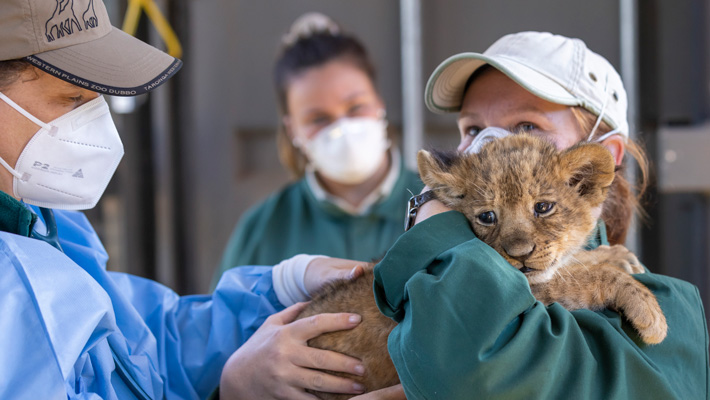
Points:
(352, 185)
(68, 327)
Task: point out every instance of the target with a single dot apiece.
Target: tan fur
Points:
(510, 177)
(367, 341)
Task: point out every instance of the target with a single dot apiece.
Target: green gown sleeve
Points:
(469, 327)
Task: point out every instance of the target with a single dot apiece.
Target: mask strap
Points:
(608, 134)
(28, 116)
(601, 113)
(11, 170)
(25, 113)
(382, 114)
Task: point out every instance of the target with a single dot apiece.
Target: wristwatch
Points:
(413, 207)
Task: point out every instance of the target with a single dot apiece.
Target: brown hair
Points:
(621, 202)
(10, 70)
(295, 58)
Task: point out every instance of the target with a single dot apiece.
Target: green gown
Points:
(292, 221)
(469, 328)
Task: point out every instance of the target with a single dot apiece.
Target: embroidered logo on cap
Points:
(64, 22)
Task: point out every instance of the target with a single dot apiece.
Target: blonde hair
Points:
(621, 203)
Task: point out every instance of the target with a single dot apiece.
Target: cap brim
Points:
(116, 64)
(445, 88)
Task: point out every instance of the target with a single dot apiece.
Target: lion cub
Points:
(535, 206)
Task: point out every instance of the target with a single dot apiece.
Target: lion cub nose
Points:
(519, 249)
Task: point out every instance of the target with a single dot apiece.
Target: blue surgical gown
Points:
(71, 329)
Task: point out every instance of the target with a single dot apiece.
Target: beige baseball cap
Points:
(75, 41)
(553, 67)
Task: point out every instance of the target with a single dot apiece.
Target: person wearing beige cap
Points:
(68, 327)
(500, 342)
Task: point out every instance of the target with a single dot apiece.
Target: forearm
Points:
(478, 331)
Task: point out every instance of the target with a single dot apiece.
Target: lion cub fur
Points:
(535, 206)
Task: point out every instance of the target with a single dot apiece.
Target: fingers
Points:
(391, 393)
(290, 393)
(316, 325)
(327, 269)
(323, 382)
(356, 272)
(287, 315)
(328, 360)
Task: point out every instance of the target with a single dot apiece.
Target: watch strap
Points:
(413, 205)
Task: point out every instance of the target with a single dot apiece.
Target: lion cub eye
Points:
(487, 218)
(543, 208)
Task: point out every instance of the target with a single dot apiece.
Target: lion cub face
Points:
(533, 204)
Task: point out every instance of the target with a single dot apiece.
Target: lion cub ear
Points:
(588, 167)
(433, 170)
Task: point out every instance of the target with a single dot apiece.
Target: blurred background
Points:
(201, 150)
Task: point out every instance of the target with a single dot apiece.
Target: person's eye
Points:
(320, 120)
(525, 127)
(74, 101)
(363, 110)
(473, 131)
(355, 109)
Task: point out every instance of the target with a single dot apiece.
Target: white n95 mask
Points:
(349, 150)
(486, 135)
(69, 161)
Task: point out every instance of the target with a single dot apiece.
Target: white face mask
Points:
(349, 150)
(69, 161)
(486, 135)
(493, 132)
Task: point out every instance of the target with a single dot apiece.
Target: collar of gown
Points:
(382, 191)
(15, 217)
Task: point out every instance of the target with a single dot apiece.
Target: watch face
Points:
(411, 213)
(413, 205)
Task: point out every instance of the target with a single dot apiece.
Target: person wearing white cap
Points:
(579, 94)
(469, 326)
(69, 328)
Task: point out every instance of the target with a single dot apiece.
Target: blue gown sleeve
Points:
(196, 334)
(68, 326)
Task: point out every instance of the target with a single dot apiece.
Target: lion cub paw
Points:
(619, 257)
(646, 316)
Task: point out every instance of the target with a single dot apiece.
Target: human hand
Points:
(430, 208)
(391, 393)
(276, 362)
(327, 269)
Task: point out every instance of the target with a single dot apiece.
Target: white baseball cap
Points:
(553, 67)
(75, 41)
